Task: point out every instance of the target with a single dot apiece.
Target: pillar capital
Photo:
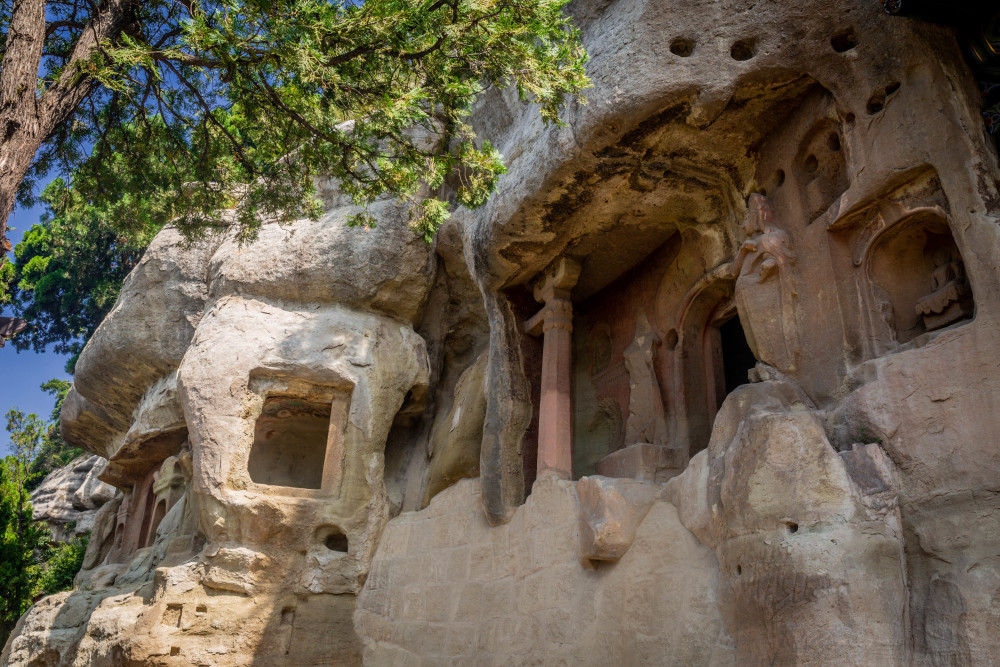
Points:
(558, 280)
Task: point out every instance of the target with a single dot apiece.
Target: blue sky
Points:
(22, 373)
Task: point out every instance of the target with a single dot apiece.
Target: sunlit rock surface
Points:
(783, 329)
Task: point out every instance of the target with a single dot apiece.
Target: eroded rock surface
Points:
(68, 498)
(752, 284)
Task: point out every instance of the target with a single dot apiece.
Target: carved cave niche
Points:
(605, 325)
(159, 512)
(600, 394)
(899, 269)
(403, 455)
(821, 168)
(134, 522)
(121, 519)
(147, 528)
(916, 277)
(298, 443)
(699, 354)
(136, 468)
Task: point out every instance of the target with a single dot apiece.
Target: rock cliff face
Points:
(753, 284)
(68, 498)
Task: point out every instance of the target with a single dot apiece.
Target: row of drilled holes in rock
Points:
(745, 49)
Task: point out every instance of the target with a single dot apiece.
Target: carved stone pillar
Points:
(555, 415)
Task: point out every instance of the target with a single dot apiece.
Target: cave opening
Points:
(737, 357)
(290, 443)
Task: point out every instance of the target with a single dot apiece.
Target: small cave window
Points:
(333, 538)
(737, 357)
(743, 49)
(844, 41)
(290, 442)
(682, 47)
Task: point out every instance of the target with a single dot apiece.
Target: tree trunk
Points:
(27, 119)
(16, 156)
(19, 122)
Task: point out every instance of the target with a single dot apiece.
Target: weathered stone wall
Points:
(68, 498)
(446, 588)
(819, 169)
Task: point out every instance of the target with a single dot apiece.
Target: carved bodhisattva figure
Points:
(646, 421)
(764, 290)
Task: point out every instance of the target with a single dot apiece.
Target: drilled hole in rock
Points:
(289, 444)
(744, 49)
(336, 541)
(844, 41)
(779, 178)
(792, 527)
(833, 142)
(682, 47)
(175, 650)
(850, 118)
(811, 164)
(739, 570)
(876, 103)
(891, 88)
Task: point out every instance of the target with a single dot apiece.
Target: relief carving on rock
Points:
(646, 421)
(765, 292)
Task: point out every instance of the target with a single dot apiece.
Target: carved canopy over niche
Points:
(901, 269)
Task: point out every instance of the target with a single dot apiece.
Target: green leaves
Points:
(69, 268)
(63, 562)
(241, 106)
(29, 565)
(22, 543)
(243, 100)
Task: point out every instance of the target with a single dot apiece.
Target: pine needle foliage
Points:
(242, 104)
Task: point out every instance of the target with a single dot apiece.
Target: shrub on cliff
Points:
(61, 565)
(23, 542)
(29, 564)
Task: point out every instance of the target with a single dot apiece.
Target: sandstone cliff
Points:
(753, 284)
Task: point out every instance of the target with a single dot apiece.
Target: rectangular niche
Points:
(298, 443)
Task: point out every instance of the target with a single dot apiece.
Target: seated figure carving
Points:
(950, 298)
